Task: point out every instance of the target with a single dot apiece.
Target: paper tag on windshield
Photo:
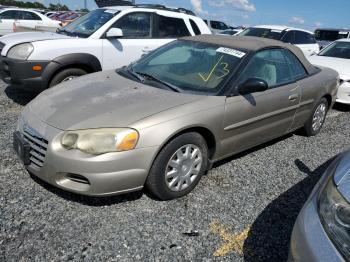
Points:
(230, 51)
(343, 33)
(111, 11)
(276, 31)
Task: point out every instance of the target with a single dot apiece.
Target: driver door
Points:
(137, 40)
(259, 117)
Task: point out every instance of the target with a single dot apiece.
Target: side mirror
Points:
(253, 85)
(114, 33)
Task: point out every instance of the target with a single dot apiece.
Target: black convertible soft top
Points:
(252, 43)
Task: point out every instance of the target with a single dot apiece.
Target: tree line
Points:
(35, 5)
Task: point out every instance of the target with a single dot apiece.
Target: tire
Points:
(319, 113)
(65, 74)
(188, 169)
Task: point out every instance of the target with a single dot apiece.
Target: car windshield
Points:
(88, 24)
(330, 35)
(192, 67)
(337, 49)
(262, 32)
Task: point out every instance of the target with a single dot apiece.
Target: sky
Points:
(308, 14)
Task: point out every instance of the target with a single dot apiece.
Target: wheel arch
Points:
(205, 132)
(87, 62)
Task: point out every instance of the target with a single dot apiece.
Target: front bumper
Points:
(20, 74)
(309, 241)
(74, 171)
(343, 95)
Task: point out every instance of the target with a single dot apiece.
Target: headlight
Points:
(335, 216)
(100, 141)
(21, 52)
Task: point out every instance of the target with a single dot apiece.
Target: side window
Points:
(135, 25)
(28, 16)
(11, 14)
(170, 27)
(218, 25)
(195, 27)
(304, 38)
(288, 37)
(297, 69)
(270, 65)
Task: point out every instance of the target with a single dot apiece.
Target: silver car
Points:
(322, 230)
(161, 122)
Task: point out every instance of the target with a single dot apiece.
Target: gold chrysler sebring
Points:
(162, 121)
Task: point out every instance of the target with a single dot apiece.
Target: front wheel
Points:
(178, 167)
(67, 75)
(314, 124)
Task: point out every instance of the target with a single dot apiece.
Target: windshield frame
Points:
(329, 47)
(281, 32)
(77, 22)
(223, 88)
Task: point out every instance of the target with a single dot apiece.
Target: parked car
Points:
(303, 39)
(235, 31)
(337, 57)
(15, 17)
(163, 120)
(50, 13)
(103, 39)
(322, 230)
(217, 27)
(66, 17)
(325, 36)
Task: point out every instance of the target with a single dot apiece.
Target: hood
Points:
(339, 64)
(27, 37)
(103, 99)
(342, 176)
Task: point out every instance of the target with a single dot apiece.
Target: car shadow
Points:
(269, 236)
(341, 107)
(251, 150)
(87, 200)
(19, 96)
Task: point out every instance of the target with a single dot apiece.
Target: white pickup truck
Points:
(105, 38)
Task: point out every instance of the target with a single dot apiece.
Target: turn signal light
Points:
(37, 68)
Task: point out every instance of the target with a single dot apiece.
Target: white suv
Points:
(303, 39)
(105, 38)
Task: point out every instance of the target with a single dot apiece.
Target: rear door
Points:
(259, 117)
(7, 21)
(29, 19)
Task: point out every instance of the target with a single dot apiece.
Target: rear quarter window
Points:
(195, 27)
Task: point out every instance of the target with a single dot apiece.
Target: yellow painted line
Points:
(233, 242)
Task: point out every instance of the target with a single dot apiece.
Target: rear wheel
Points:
(67, 75)
(178, 167)
(314, 124)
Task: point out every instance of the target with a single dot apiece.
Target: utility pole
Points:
(85, 4)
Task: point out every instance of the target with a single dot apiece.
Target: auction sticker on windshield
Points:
(230, 51)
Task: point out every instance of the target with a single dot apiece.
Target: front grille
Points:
(38, 146)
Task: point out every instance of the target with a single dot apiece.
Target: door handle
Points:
(293, 97)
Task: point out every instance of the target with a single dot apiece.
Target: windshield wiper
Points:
(153, 78)
(131, 71)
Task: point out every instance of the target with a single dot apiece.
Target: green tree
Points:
(58, 7)
(22, 4)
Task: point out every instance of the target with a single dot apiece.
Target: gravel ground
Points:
(244, 209)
